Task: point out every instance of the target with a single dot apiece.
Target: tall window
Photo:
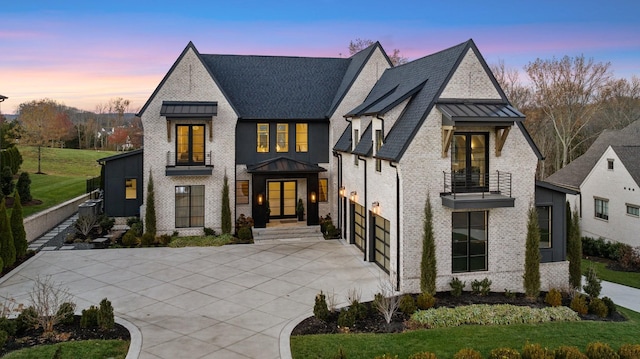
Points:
(190, 145)
(469, 160)
(263, 137)
(469, 236)
(379, 141)
(302, 137)
(544, 222)
(189, 206)
(602, 208)
(356, 137)
(282, 137)
(323, 185)
(130, 188)
(242, 192)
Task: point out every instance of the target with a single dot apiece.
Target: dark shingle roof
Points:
(365, 145)
(630, 158)
(344, 143)
(573, 174)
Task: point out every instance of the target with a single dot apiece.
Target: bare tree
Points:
(569, 91)
(359, 44)
(47, 298)
(386, 301)
(518, 94)
(623, 102)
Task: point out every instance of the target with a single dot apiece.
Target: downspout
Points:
(339, 201)
(366, 247)
(397, 225)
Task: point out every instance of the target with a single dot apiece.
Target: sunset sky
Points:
(83, 53)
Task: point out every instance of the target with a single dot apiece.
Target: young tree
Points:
(428, 263)
(358, 45)
(17, 227)
(532, 256)
(119, 137)
(226, 209)
(574, 249)
(7, 247)
(150, 209)
(38, 119)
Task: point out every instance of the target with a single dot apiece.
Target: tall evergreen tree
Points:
(574, 249)
(150, 209)
(428, 263)
(17, 228)
(7, 248)
(226, 209)
(532, 256)
(24, 187)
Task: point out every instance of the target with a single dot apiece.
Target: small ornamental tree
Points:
(24, 187)
(225, 213)
(150, 209)
(7, 248)
(428, 263)
(532, 256)
(17, 228)
(574, 251)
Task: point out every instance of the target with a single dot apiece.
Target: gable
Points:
(471, 80)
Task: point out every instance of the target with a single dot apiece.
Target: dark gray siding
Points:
(557, 201)
(246, 137)
(117, 170)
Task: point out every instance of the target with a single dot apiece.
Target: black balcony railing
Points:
(195, 161)
(483, 183)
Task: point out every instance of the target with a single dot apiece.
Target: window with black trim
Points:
(356, 137)
(263, 138)
(379, 141)
(130, 188)
(601, 208)
(189, 206)
(633, 210)
(610, 164)
(469, 237)
(302, 137)
(544, 222)
(190, 145)
(323, 185)
(242, 192)
(282, 137)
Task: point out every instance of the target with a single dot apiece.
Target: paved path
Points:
(235, 301)
(622, 295)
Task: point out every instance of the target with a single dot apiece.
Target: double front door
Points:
(282, 198)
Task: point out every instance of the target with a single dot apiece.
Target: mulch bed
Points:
(375, 322)
(63, 333)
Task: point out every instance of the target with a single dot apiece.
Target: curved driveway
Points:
(235, 301)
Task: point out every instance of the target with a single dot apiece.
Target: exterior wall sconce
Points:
(354, 196)
(260, 199)
(313, 197)
(342, 191)
(375, 207)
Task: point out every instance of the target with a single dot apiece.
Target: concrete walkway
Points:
(621, 295)
(235, 301)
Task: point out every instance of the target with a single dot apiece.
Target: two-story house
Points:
(364, 141)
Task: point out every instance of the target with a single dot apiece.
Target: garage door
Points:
(382, 243)
(359, 225)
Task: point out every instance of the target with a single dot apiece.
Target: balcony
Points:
(463, 190)
(184, 167)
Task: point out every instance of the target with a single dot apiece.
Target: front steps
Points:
(287, 232)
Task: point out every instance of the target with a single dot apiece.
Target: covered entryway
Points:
(282, 198)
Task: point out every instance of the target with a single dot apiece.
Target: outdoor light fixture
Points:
(342, 191)
(260, 199)
(353, 196)
(313, 197)
(375, 207)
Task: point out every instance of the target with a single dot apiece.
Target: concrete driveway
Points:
(235, 301)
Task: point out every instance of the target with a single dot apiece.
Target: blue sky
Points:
(83, 53)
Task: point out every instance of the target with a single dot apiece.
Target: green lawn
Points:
(631, 279)
(76, 350)
(66, 171)
(447, 341)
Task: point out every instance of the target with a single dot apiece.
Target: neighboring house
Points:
(122, 184)
(607, 178)
(363, 141)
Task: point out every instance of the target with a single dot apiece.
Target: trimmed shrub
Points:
(244, 234)
(428, 269)
(531, 276)
(129, 239)
(105, 315)
(553, 298)
(3, 337)
(504, 353)
(8, 326)
(164, 239)
(457, 286)
(407, 304)
(209, 231)
(467, 353)
(569, 352)
(592, 286)
(26, 319)
(148, 239)
(65, 312)
(7, 247)
(6, 181)
(597, 307)
(346, 318)
(425, 301)
(574, 248)
(359, 310)
(481, 287)
(24, 187)
(629, 351)
(135, 225)
(225, 213)
(598, 350)
(611, 306)
(106, 223)
(89, 317)
(17, 228)
(579, 304)
(150, 208)
(320, 309)
(423, 355)
(536, 351)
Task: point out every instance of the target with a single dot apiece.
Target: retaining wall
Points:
(41, 222)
